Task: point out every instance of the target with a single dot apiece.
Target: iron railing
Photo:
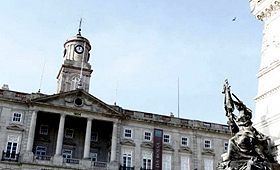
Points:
(71, 161)
(43, 157)
(126, 168)
(8, 156)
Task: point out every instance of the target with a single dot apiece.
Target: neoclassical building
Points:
(73, 129)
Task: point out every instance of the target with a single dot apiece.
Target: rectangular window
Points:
(166, 162)
(17, 117)
(207, 144)
(226, 146)
(11, 150)
(41, 150)
(147, 160)
(127, 159)
(147, 136)
(185, 163)
(208, 164)
(67, 153)
(166, 139)
(184, 141)
(44, 129)
(94, 136)
(127, 133)
(93, 157)
(69, 133)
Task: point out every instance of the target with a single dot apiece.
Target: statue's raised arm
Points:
(229, 108)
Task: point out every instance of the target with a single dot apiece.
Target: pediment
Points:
(147, 145)
(76, 99)
(15, 127)
(185, 150)
(127, 142)
(167, 147)
(209, 152)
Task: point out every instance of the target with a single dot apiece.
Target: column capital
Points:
(89, 118)
(62, 114)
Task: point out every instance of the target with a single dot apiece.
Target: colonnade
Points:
(60, 135)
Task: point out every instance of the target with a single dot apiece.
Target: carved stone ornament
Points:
(15, 127)
(13, 138)
(167, 147)
(147, 145)
(185, 150)
(127, 142)
(208, 152)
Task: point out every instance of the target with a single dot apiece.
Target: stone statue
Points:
(248, 149)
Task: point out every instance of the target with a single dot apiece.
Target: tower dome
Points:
(75, 71)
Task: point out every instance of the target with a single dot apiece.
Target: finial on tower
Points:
(80, 27)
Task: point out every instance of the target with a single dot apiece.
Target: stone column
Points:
(60, 135)
(114, 142)
(31, 133)
(87, 139)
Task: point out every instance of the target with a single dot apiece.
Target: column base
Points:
(58, 160)
(28, 156)
(113, 165)
(86, 162)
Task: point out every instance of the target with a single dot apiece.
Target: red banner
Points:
(157, 157)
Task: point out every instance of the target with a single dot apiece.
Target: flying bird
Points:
(234, 19)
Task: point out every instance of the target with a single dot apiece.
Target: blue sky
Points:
(140, 47)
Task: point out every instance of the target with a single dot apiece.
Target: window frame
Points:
(148, 158)
(187, 142)
(185, 165)
(226, 146)
(14, 117)
(41, 152)
(125, 158)
(41, 130)
(68, 136)
(11, 149)
(93, 155)
(125, 133)
(70, 152)
(166, 165)
(91, 135)
(148, 132)
(210, 144)
(169, 138)
(205, 162)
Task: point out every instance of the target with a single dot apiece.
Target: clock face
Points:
(79, 49)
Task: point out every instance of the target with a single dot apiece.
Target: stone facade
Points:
(74, 130)
(267, 114)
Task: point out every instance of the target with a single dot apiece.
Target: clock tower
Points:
(75, 71)
(267, 113)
